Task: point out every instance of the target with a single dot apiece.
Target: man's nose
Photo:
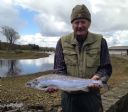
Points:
(80, 24)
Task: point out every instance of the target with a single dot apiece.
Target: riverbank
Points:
(13, 89)
(20, 54)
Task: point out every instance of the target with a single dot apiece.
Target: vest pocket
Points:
(70, 57)
(93, 57)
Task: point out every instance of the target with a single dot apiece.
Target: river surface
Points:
(25, 66)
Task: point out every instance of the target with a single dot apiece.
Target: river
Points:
(25, 66)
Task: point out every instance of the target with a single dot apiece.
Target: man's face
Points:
(80, 27)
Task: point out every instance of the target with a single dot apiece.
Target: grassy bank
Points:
(22, 54)
(14, 90)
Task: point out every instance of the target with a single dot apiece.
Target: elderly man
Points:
(82, 54)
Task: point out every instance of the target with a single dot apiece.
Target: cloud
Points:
(119, 38)
(38, 39)
(53, 19)
(52, 27)
(111, 16)
(10, 15)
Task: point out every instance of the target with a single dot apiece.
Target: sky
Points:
(43, 22)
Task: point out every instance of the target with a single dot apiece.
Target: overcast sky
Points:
(43, 22)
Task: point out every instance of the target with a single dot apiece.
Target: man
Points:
(82, 54)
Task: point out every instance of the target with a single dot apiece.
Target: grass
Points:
(14, 90)
(22, 54)
(120, 71)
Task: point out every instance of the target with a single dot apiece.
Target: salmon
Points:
(63, 82)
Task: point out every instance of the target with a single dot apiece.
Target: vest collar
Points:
(89, 39)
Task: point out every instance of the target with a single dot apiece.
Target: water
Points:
(25, 66)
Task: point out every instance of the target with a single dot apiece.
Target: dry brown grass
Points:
(120, 71)
(22, 54)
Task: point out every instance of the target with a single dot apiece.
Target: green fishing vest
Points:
(85, 63)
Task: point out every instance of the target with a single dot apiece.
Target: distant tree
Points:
(34, 46)
(10, 34)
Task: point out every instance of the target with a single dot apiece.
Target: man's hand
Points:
(95, 86)
(51, 90)
(95, 77)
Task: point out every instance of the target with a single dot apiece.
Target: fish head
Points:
(32, 84)
(37, 84)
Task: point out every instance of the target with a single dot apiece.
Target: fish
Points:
(63, 82)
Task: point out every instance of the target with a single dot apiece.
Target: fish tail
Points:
(105, 85)
(104, 82)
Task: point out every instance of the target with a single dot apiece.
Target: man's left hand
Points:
(95, 86)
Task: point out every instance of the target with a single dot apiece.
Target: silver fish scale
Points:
(62, 82)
